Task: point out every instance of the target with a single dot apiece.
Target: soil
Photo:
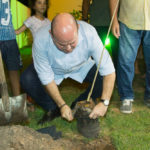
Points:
(87, 127)
(18, 137)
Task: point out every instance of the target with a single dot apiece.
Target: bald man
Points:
(64, 50)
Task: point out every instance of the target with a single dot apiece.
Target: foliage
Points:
(77, 14)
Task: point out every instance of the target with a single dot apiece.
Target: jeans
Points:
(129, 42)
(33, 87)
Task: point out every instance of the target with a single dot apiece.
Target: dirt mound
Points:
(24, 138)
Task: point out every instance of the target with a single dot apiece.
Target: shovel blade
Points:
(17, 110)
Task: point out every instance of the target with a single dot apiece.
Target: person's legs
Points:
(146, 49)
(129, 42)
(11, 58)
(97, 90)
(14, 81)
(139, 55)
(33, 87)
(31, 84)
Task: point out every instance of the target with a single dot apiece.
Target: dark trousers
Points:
(11, 54)
(33, 87)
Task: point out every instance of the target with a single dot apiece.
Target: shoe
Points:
(49, 116)
(147, 102)
(30, 104)
(30, 107)
(126, 106)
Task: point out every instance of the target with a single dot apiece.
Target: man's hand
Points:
(99, 110)
(66, 113)
(116, 29)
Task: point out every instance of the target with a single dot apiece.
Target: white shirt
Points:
(34, 24)
(52, 64)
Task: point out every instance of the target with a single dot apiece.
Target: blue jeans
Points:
(129, 42)
(33, 87)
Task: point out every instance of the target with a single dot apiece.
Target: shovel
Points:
(12, 109)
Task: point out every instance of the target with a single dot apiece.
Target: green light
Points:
(19, 14)
(108, 45)
(107, 42)
(26, 50)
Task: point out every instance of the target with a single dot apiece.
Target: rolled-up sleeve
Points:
(41, 63)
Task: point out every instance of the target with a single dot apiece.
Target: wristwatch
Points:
(105, 102)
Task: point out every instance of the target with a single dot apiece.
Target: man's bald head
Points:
(64, 31)
(62, 24)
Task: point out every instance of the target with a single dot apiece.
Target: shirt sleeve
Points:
(28, 22)
(106, 66)
(48, 21)
(41, 63)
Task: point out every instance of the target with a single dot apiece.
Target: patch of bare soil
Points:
(116, 110)
(24, 138)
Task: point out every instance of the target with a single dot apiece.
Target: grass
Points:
(127, 132)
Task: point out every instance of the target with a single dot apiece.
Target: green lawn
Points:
(127, 132)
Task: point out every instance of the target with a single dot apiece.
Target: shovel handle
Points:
(3, 86)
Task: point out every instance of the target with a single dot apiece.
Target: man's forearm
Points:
(108, 85)
(53, 91)
(112, 6)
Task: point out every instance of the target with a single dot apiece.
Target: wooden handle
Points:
(3, 85)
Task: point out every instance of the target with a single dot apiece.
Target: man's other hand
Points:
(99, 110)
(66, 113)
(116, 29)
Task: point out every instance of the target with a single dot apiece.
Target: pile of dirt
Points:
(24, 138)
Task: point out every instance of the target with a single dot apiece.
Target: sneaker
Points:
(126, 106)
(147, 102)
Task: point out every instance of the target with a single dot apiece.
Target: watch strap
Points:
(104, 102)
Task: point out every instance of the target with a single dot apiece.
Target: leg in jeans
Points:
(129, 42)
(97, 90)
(146, 48)
(33, 87)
